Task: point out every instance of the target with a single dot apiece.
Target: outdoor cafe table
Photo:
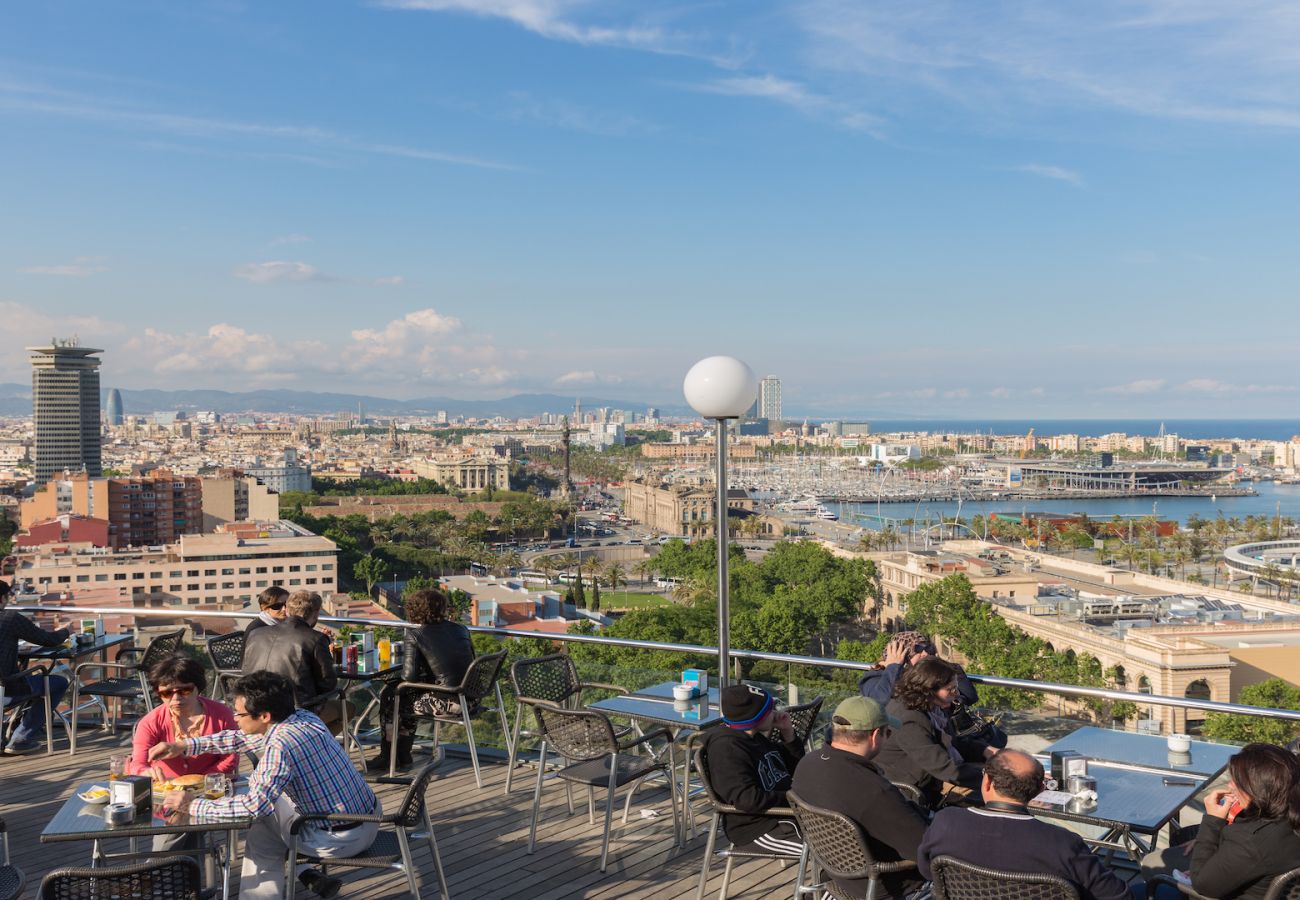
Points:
(77, 820)
(78, 651)
(1134, 800)
(655, 704)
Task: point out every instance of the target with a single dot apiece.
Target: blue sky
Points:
(980, 208)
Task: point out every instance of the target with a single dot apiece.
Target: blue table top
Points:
(1145, 750)
(656, 704)
(1136, 798)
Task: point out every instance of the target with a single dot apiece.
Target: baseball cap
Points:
(862, 714)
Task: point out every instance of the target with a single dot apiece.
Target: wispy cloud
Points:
(1056, 173)
(525, 107)
(390, 281)
(794, 95)
(279, 271)
(81, 267)
(1140, 386)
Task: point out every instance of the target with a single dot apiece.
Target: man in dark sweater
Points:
(20, 688)
(750, 761)
(841, 777)
(1003, 835)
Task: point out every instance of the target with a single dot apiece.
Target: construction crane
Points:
(1029, 441)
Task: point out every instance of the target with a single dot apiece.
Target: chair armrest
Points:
(447, 690)
(296, 825)
(901, 865)
(652, 733)
(38, 669)
(600, 686)
(129, 651)
(106, 665)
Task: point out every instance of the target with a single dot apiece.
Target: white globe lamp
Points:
(720, 387)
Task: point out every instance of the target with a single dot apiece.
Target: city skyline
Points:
(966, 211)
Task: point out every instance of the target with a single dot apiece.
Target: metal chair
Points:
(227, 654)
(803, 718)
(172, 879)
(1284, 887)
(596, 758)
(9, 718)
(132, 684)
(731, 853)
(13, 883)
(840, 849)
(391, 849)
(481, 679)
(957, 880)
(554, 678)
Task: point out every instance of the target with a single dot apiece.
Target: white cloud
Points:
(1140, 386)
(586, 376)
(223, 349)
(1056, 173)
(1000, 393)
(81, 267)
(280, 270)
(390, 281)
(794, 95)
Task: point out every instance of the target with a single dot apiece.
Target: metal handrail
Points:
(1065, 690)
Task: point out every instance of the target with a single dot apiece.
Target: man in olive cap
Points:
(841, 777)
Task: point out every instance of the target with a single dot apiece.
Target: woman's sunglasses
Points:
(182, 691)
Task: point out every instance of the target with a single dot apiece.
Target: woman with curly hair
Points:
(438, 652)
(923, 751)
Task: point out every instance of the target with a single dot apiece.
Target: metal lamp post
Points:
(721, 388)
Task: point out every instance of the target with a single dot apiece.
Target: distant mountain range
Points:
(16, 400)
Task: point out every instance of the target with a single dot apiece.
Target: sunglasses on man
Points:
(279, 605)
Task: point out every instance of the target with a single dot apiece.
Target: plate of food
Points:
(97, 794)
(179, 783)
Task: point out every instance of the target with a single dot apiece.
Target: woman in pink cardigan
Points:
(184, 712)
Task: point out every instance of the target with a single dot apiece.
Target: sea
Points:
(1272, 499)
(1195, 429)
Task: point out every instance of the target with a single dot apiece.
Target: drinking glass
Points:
(215, 785)
(116, 767)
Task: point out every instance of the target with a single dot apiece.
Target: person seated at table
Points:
(301, 768)
(751, 771)
(184, 712)
(296, 650)
(906, 649)
(840, 776)
(19, 688)
(272, 606)
(1251, 830)
(438, 652)
(1003, 835)
(922, 750)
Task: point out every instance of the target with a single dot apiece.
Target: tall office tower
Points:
(769, 399)
(114, 407)
(65, 408)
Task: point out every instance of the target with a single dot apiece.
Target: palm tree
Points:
(645, 568)
(614, 575)
(695, 590)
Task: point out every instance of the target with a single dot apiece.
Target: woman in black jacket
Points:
(438, 652)
(1249, 834)
(923, 751)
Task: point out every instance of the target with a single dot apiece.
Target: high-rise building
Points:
(114, 412)
(141, 510)
(65, 409)
(769, 399)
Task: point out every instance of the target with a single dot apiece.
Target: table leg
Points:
(226, 864)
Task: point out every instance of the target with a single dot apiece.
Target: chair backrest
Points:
(481, 675)
(553, 677)
(957, 880)
(835, 839)
(1285, 886)
(576, 734)
(706, 781)
(227, 651)
(411, 811)
(172, 879)
(803, 717)
(160, 648)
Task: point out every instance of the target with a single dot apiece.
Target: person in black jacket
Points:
(271, 602)
(922, 750)
(296, 650)
(438, 652)
(750, 762)
(1251, 830)
(1003, 835)
(23, 688)
(841, 777)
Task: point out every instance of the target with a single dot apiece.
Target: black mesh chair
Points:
(1284, 887)
(730, 852)
(481, 679)
(840, 849)
(595, 757)
(12, 880)
(12, 708)
(131, 684)
(803, 718)
(553, 678)
(391, 849)
(153, 879)
(957, 880)
(227, 654)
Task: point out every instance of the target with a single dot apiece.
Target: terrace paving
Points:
(482, 834)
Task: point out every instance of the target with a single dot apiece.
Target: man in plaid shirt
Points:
(301, 769)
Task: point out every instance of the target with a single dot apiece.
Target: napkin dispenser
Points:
(131, 790)
(1066, 763)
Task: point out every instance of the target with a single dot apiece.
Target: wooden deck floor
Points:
(482, 834)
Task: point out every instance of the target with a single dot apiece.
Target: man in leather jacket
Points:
(296, 650)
